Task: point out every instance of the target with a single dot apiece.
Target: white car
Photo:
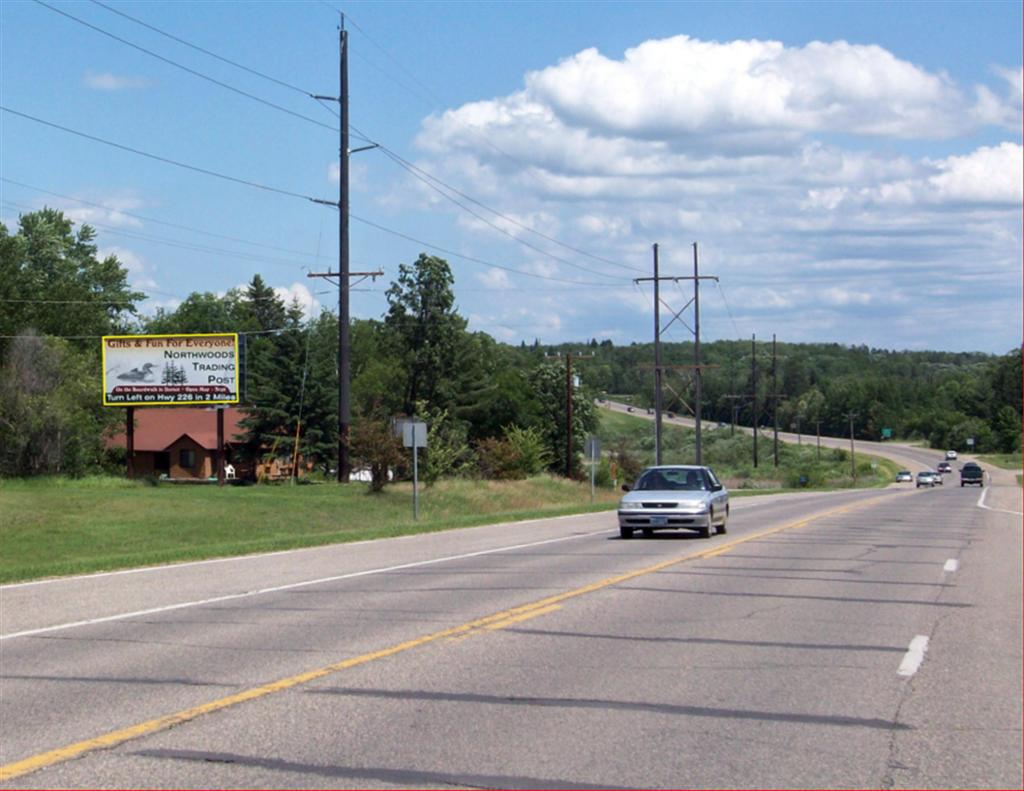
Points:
(904, 476)
(950, 454)
(926, 478)
(674, 497)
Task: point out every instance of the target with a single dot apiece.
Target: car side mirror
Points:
(626, 487)
(716, 487)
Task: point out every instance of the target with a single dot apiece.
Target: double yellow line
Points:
(495, 621)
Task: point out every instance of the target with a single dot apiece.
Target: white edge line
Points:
(914, 657)
(258, 555)
(290, 586)
(981, 504)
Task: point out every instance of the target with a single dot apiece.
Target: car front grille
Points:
(660, 505)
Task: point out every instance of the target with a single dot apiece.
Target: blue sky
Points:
(851, 171)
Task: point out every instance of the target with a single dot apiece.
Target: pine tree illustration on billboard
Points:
(141, 370)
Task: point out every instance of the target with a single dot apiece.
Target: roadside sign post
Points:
(414, 435)
(593, 453)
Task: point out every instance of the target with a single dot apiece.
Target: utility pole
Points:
(753, 389)
(817, 426)
(775, 403)
(658, 329)
(568, 415)
(569, 390)
(657, 361)
(853, 459)
(343, 274)
(696, 352)
(735, 410)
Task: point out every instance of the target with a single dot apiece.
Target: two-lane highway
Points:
(856, 639)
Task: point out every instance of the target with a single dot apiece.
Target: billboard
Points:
(153, 370)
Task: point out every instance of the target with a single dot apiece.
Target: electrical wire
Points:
(501, 230)
(433, 182)
(177, 244)
(475, 260)
(191, 71)
(728, 310)
(422, 175)
(315, 256)
(196, 47)
(165, 160)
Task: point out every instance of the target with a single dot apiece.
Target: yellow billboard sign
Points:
(155, 370)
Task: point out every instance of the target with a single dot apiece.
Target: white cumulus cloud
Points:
(105, 81)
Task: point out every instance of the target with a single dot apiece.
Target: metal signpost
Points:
(414, 435)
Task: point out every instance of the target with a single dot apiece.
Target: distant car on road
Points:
(937, 477)
(944, 467)
(926, 478)
(904, 476)
(950, 454)
(674, 497)
(629, 409)
(971, 473)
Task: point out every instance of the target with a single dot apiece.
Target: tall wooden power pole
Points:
(343, 274)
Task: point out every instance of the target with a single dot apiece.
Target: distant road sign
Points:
(414, 434)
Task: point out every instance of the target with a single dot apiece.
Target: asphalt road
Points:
(853, 639)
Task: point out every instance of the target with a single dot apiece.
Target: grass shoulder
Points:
(56, 526)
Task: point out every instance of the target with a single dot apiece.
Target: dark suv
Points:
(972, 473)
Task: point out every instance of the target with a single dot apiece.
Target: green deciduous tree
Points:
(51, 417)
(52, 282)
(425, 330)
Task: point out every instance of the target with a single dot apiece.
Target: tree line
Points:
(492, 409)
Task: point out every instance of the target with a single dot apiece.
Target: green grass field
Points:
(1008, 461)
(55, 526)
(51, 527)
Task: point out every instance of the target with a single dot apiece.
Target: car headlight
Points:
(630, 506)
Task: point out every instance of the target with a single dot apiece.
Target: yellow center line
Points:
(494, 621)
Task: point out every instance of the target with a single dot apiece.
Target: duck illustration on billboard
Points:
(141, 374)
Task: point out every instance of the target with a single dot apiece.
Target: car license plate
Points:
(659, 520)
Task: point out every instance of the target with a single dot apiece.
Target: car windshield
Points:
(669, 479)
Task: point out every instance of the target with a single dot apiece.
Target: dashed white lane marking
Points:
(914, 657)
(291, 586)
(951, 565)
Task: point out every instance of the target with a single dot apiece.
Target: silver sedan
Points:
(674, 497)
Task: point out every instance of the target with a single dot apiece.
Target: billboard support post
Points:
(220, 446)
(129, 430)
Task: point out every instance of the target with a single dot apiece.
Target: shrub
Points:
(530, 446)
(499, 459)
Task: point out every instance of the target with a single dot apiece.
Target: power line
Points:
(496, 227)
(418, 172)
(178, 244)
(435, 101)
(165, 160)
(161, 222)
(473, 259)
(191, 71)
(196, 47)
(432, 181)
